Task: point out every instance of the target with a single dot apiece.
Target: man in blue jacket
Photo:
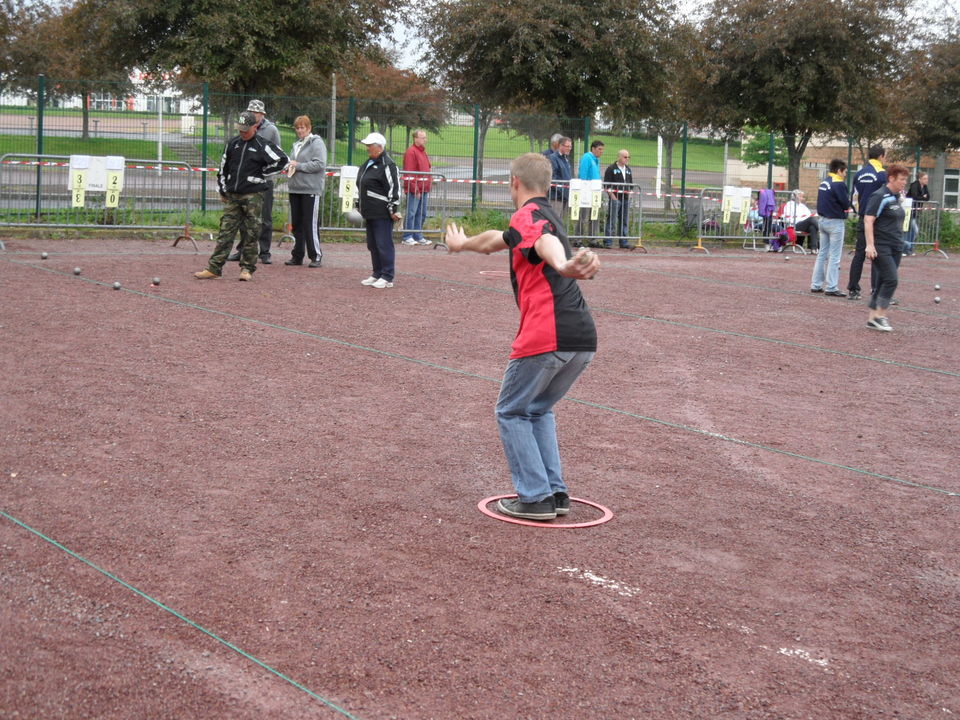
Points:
(869, 178)
(247, 159)
(832, 206)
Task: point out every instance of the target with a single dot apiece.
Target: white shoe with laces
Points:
(382, 283)
(369, 281)
(410, 241)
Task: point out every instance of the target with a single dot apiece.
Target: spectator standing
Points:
(797, 215)
(416, 188)
(590, 170)
(919, 193)
(883, 229)
(833, 203)
(307, 174)
(618, 183)
(269, 132)
(378, 185)
(554, 145)
(869, 178)
(562, 173)
(247, 160)
(556, 341)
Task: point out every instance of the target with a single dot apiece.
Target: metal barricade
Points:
(333, 221)
(35, 192)
(927, 219)
(619, 220)
(712, 222)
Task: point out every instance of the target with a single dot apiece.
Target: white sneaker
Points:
(382, 283)
(410, 241)
(369, 281)
(424, 242)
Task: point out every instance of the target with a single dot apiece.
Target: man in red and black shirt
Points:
(556, 340)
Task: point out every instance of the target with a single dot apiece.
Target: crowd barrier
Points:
(53, 191)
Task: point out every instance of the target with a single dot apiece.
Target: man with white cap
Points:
(378, 184)
(268, 131)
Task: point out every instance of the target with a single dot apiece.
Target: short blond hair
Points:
(303, 120)
(534, 172)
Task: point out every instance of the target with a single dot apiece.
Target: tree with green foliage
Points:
(250, 48)
(801, 67)
(569, 57)
(932, 113)
(755, 150)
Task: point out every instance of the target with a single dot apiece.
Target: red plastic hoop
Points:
(607, 515)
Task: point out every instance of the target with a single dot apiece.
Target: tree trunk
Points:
(85, 134)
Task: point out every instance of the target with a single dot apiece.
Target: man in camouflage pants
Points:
(247, 158)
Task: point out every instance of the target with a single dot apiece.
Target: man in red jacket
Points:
(416, 186)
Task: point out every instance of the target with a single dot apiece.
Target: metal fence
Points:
(332, 218)
(46, 191)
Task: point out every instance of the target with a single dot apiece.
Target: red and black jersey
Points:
(553, 313)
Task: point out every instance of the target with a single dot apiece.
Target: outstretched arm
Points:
(582, 266)
(489, 241)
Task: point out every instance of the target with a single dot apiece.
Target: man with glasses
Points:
(617, 183)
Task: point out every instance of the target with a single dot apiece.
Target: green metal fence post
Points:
(476, 156)
(916, 162)
(203, 149)
(770, 152)
(41, 102)
(683, 171)
(850, 172)
(352, 125)
(586, 135)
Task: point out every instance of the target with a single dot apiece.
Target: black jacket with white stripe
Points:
(245, 163)
(378, 183)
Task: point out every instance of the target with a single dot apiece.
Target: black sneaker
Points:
(293, 262)
(233, 257)
(561, 502)
(315, 264)
(543, 510)
(880, 323)
(835, 293)
(265, 260)
(816, 290)
(854, 295)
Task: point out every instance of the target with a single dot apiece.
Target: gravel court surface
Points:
(313, 501)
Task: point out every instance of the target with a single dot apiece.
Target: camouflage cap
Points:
(256, 106)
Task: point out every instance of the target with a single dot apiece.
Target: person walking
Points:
(833, 203)
(556, 341)
(870, 178)
(883, 230)
(269, 132)
(416, 188)
(307, 173)
(378, 184)
(247, 159)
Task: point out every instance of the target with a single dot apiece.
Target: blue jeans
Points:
(827, 267)
(380, 245)
(531, 387)
(910, 237)
(416, 214)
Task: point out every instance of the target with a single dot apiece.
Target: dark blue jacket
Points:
(561, 172)
(869, 178)
(832, 198)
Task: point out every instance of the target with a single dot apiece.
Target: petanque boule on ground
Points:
(937, 300)
(155, 281)
(936, 287)
(117, 286)
(77, 271)
(43, 256)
